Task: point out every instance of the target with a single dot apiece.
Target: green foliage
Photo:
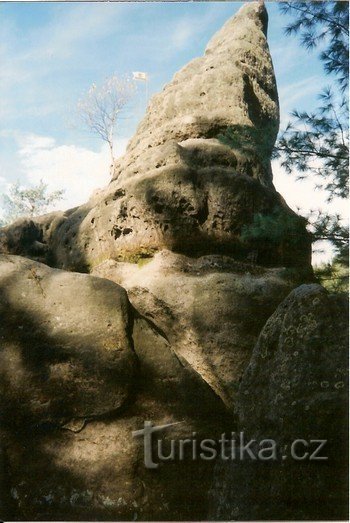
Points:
(325, 23)
(333, 276)
(317, 142)
(23, 202)
(330, 227)
(275, 228)
(248, 140)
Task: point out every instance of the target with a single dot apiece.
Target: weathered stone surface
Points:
(232, 85)
(82, 369)
(191, 213)
(21, 236)
(295, 387)
(211, 309)
(31, 237)
(74, 385)
(192, 347)
(66, 349)
(178, 186)
(98, 474)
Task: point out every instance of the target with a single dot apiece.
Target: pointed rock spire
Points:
(197, 171)
(231, 89)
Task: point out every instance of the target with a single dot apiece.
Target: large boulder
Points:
(211, 309)
(295, 392)
(80, 371)
(95, 470)
(196, 172)
(66, 347)
(188, 210)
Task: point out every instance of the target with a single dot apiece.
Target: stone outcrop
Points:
(211, 309)
(231, 86)
(295, 388)
(66, 349)
(82, 367)
(80, 371)
(195, 173)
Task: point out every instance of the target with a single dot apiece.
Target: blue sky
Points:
(50, 53)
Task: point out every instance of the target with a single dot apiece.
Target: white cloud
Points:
(77, 170)
(289, 94)
(182, 33)
(33, 142)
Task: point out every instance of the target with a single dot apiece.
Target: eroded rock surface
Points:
(195, 173)
(232, 85)
(80, 371)
(211, 309)
(295, 388)
(66, 347)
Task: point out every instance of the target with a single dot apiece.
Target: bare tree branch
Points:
(100, 109)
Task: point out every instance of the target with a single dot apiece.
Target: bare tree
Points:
(100, 109)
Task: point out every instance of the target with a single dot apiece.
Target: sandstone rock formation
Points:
(211, 309)
(295, 387)
(232, 85)
(66, 349)
(79, 372)
(179, 185)
(82, 367)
